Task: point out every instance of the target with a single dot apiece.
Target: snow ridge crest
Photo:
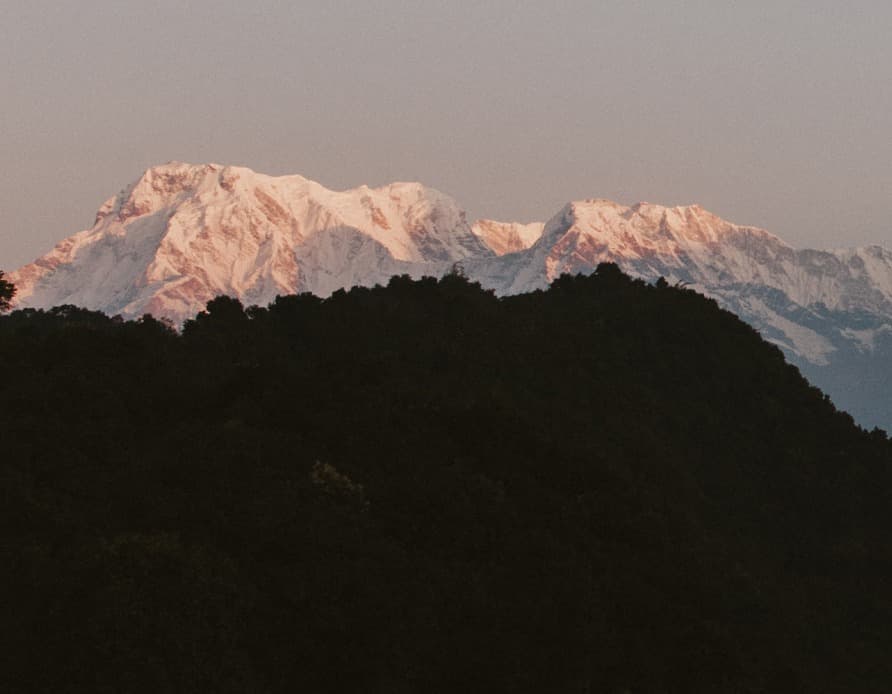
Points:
(184, 233)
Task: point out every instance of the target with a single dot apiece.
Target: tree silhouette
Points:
(7, 291)
(606, 486)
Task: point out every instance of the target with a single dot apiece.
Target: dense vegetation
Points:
(7, 292)
(605, 487)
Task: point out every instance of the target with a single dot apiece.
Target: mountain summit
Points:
(185, 233)
(691, 245)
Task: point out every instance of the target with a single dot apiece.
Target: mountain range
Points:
(185, 233)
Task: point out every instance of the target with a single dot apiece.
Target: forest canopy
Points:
(603, 487)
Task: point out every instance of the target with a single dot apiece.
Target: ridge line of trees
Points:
(606, 486)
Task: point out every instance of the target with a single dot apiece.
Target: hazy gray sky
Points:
(775, 114)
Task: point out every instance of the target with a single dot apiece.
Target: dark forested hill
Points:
(605, 487)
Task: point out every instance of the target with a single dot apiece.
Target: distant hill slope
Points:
(603, 487)
(185, 233)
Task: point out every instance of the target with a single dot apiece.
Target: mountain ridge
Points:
(182, 234)
(198, 231)
(671, 237)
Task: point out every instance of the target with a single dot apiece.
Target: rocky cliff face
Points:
(507, 237)
(183, 234)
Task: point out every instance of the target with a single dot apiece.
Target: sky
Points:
(775, 114)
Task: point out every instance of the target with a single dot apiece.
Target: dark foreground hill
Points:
(605, 487)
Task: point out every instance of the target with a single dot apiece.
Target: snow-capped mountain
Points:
(735, 264)
(691, 245)
(183, 234)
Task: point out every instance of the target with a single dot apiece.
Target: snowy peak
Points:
(401, 215)
(183, 233)
(785, 292)
(650, 223)
(681, 243)
(685, 243)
